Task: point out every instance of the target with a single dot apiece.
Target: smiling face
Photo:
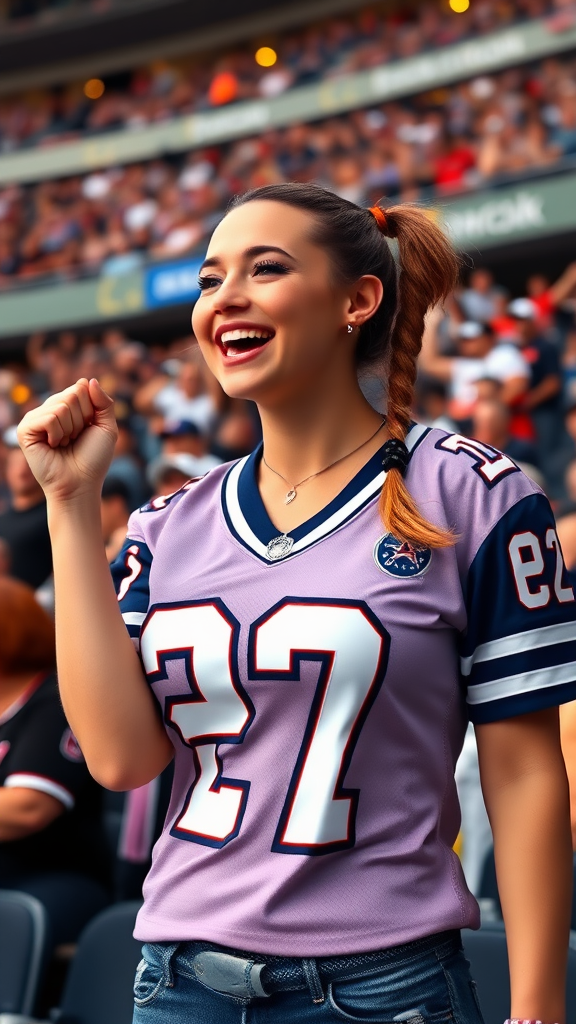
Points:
(271, 318)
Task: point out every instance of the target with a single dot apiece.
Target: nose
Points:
(230, 295)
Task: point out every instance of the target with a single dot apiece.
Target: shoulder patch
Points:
(401, 559)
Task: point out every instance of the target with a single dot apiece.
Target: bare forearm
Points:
(548, 388)
(24, 812)
(104, 693)
(530, 821)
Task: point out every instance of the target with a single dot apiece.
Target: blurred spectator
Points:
(479, 299)
(5, 559)
(24, 525)
(491, 425)
(433, 404)
(51, 840)
(168, 473)
(568, 359)
(543, 399)
(182, 393)
(115, 509)
(479, 356)
(125, 466)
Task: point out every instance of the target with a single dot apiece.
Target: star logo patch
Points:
(400, 558)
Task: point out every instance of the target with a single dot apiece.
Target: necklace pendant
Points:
(290, 495)
(279, 547)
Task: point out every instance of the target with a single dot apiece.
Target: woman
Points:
(301, 635)
(52, 843)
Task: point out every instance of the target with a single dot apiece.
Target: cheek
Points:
(200, 320)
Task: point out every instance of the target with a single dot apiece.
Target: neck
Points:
(304, 437)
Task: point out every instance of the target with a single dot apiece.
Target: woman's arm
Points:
(568, 738)
(69, 443)
(526, 793)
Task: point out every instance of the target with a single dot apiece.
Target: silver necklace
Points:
(282, 545)
(292, 491)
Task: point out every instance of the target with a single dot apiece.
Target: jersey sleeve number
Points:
(318, 815)
(490, 464)
(527, 559)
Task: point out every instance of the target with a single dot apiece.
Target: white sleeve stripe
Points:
(26, 780)
(517, 643)
(134, 618)
(524, 682)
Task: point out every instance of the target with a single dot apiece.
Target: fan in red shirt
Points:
(452, 165)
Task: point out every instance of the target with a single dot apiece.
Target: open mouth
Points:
(242, 340)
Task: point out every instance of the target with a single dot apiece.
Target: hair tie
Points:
(380, 218)
(396, 455)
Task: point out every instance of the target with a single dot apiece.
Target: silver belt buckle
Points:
(230, 975)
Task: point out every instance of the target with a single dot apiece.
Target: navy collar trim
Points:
(251, 525)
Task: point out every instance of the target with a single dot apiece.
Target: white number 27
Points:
(351, 647)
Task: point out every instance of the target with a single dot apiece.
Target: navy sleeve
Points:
(519, 652)
(131, 574)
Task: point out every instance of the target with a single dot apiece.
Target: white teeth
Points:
(230, 336)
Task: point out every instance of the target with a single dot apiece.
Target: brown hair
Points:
(27, 641)
(427, 272)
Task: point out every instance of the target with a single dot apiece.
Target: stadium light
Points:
(265, 56)
(459, 6)
(94, 88)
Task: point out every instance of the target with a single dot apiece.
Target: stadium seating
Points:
(98, 989)
(23, 952)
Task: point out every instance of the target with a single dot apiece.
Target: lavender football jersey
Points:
(317, 687)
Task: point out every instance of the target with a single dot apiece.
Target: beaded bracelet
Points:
(516, 1020)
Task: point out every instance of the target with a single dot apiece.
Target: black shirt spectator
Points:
(38, 751)
(52, 840)
(24, 525)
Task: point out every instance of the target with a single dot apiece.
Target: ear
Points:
(364, 298)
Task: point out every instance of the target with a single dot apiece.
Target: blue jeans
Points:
(422, 982)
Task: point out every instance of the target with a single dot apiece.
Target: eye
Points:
(207, 282)
(265, 267)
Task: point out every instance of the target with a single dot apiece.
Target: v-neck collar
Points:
(250, 524)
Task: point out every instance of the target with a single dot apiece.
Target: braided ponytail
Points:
(354, 239)
(428, 272)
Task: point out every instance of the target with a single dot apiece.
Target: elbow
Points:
(121, 778)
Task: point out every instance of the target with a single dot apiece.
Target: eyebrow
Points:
(254, 250)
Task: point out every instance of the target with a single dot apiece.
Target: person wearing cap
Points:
(183, 436)
(169, 472)
(479, 356)
(543, 398)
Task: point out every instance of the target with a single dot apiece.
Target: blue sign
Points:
(171, 284)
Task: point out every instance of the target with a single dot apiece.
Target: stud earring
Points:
(349, 328)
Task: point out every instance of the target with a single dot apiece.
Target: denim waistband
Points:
(282, 974)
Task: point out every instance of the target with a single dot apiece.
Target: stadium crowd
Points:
(484, 131)
(335, 47)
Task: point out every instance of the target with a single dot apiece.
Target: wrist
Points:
(518, 1020)
(81, 507)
